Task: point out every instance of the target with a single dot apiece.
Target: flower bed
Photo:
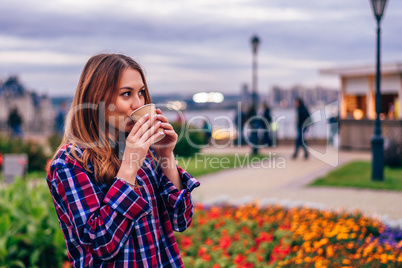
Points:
(271, 236)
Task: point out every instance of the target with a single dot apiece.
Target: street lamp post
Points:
(255, 41)
(377, 141)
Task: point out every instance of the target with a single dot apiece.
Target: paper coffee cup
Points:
(143, 110)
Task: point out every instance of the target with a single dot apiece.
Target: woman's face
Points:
(131, 95)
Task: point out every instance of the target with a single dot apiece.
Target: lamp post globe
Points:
(377, 141)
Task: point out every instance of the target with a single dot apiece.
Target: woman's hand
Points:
(164, 148)
(138, 141)
(164, 151)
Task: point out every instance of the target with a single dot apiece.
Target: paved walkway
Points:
(285, 180)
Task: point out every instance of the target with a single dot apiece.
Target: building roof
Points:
(13, 87)
(364, 70)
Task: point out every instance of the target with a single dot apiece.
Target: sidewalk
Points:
(285, 181)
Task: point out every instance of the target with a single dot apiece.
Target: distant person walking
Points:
(267, 120)
(14, 122)
(207, 129)
(302, 116)
(240, 121)
(254, 125)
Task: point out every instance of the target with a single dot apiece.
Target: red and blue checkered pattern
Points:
(114, 225)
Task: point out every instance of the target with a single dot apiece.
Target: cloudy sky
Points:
(186, 46)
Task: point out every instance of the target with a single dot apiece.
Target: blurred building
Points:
(311, 96)
(357, 103)
(36, 111)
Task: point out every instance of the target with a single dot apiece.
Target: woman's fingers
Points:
(145, 131)
(166, 126)
(138, 124)
(141, 126)
(153, 138)
(150, 132)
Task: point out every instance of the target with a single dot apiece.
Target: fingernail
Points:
(161, 132)
(155, 116)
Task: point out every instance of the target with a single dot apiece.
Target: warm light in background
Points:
(357, 114)
(204, 97)
(223, 133)
(176, 105)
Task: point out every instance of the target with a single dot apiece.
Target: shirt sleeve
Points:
(178, 202)
(101, 222)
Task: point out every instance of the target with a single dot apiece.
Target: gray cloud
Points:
(187, 46)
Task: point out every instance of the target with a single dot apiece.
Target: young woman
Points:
(118, 201)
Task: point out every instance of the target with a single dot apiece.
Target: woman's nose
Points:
(136, 103)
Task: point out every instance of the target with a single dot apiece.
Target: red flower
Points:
(186, 242)
(264, 237)
(209, 242)
(199, 206)
(284, 227)
(239, 259)
(48, 164)
(224, 242)
(214, 213)
(202, 251)
(245, 230)
(279, 252)
(206, 257)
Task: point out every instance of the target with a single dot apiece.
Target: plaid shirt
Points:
(116, 226)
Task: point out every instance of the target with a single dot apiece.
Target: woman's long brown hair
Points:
(86, 126)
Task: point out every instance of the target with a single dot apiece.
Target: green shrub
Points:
(189, 142)
(36, 155)
(54, 142)
(30, 234)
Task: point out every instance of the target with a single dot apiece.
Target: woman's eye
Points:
(126, 94)
(141, 92)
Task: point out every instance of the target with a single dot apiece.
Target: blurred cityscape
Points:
(39, 112)
(351, 106)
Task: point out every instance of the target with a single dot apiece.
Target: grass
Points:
(201, 164)
(31, 175)
(358, 174)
